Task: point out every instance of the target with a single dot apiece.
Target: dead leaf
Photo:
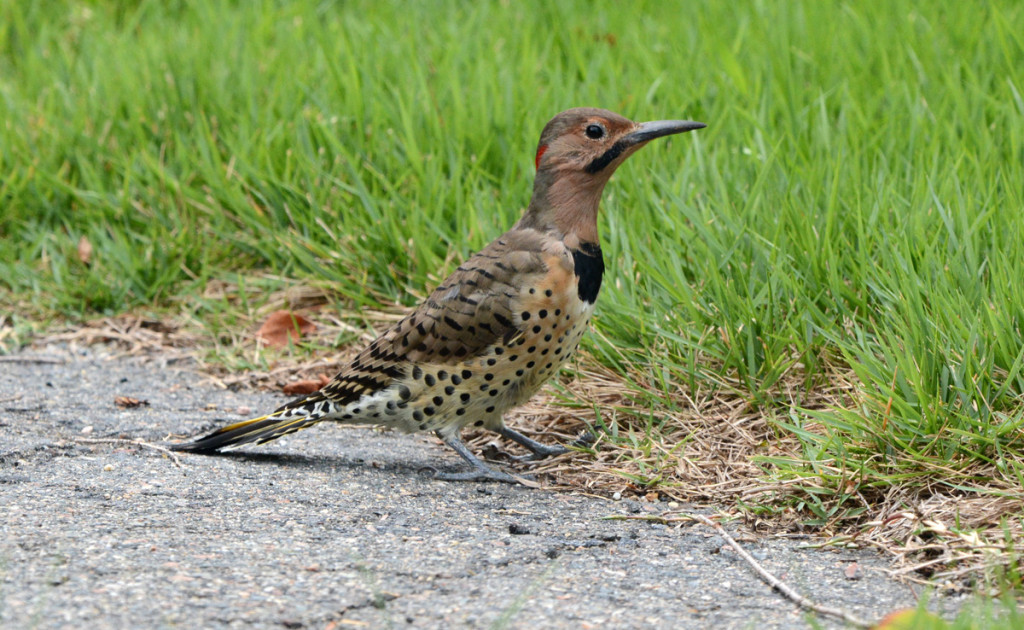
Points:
(84, 250)
(305, 387)
(127, 402)
(282, 326)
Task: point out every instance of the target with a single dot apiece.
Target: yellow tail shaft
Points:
(288, 419)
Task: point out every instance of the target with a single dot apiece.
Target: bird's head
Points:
(579, 150)
(597, 141)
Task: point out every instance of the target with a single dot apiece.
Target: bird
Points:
(495, 330)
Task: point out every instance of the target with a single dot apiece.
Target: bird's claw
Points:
(584, 440)
(548, 451)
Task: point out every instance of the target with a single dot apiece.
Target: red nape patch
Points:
(540, 154)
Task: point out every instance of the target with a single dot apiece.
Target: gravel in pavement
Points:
(339, 527)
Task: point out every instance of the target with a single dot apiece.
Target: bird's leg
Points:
(480, 472)
(539, 450)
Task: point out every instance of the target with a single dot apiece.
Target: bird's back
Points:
(484, 341)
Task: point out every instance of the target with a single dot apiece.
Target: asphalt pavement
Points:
(340, 527)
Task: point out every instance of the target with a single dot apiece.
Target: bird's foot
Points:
(539, 450)
(480, 471)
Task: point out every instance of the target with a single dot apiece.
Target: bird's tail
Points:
(290, 418)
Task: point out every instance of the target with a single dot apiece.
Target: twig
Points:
(155, 447)
(777, 584)
(654, 518)
(943, 559)
(958, 573)
(17, 358)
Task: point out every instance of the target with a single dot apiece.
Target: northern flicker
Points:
(497, 328)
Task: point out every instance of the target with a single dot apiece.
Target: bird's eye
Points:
(594, 131)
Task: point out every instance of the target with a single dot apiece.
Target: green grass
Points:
(855, 207)
(976, 614)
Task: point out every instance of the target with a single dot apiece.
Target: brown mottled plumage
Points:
(500, 326)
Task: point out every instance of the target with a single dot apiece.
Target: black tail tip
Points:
(207, 444)
(197, 446)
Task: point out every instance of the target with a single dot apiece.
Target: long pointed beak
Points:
(658, 128)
